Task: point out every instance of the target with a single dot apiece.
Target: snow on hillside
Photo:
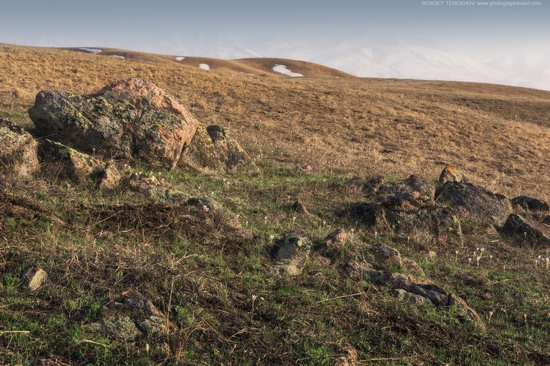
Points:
(282, 69)
(400, 60)
(93, 51)
(204, 66)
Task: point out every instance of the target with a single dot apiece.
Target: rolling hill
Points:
(232, 214)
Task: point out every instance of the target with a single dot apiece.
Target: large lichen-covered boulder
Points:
(129, 119)
(212, 150)
(18, 151)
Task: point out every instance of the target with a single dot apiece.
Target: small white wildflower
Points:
(254, 297)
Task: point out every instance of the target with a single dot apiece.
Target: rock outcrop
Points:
(130, 119)
(18, 151)
(383, 265)
(134, 120)
(532, 204)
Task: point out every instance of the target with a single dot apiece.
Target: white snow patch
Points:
(204, 67)
(118, 57)
(180, 58)
(93, 51)
(282, 69)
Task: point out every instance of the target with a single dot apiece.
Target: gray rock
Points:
(530, 204)
(470, 201)
(68, 162)
(211, 150)
(537, 233)
(131, 316)
(33, 278)
(18, 151)
(290, 254)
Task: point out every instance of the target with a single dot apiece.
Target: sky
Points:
(506, 41)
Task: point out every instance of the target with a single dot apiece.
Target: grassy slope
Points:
(210, 282)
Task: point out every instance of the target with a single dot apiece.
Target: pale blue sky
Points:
(171, 26)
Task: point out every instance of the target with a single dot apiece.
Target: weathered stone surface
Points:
(130, 119)
(33, 278)
(212, 150)
(530, 204)
(70, 163)
(537, 233)
(18, 151)
(452, 173)
(470, 201)
(290, 254)
(131, 316)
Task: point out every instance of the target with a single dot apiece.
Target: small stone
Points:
(452, 173)
(33, 278)
(336, 239)
(290, 254)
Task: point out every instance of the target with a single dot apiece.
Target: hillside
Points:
(176, 264)
(248, 66)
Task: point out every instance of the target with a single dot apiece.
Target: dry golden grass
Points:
(499, 134)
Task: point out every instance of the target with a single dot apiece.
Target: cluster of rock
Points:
(378, 264)
(130, 121)
(414, 203)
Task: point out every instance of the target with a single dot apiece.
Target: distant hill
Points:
(249, 66)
